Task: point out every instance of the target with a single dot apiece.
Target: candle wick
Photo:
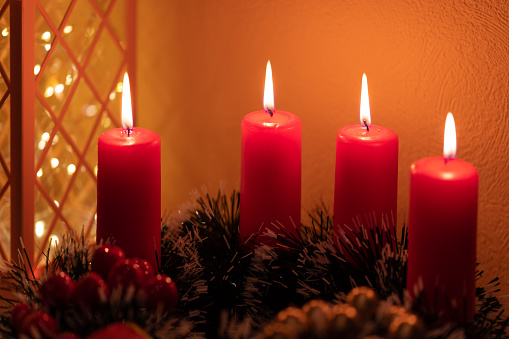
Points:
(365, 124)
(129, 131)
(271, 113)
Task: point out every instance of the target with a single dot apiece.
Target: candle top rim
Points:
(436, 167)
(280, 119)
(139, 137)
(356, 133)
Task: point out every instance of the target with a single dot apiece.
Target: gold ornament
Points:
(364, 299)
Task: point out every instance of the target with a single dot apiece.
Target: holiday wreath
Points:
(212, 284)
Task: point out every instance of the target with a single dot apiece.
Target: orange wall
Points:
(201, 67)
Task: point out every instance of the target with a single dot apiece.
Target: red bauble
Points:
(161, 294)
(145, 266)
(126, 274)
(105, 257)
(56, 291)
(91, 292)
(39, 325)
(18, 314)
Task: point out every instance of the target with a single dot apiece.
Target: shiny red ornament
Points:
(145, 266)
(161, 294)
(105, 257)
(18, 314)
(91, 292)
(56, 290)
(38, 325)
(126, 274)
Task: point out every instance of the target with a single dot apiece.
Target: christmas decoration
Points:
(104, 258)
(231, 288)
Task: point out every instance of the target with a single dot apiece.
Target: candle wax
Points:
(442, 230)
(129, 191)
(270, 172)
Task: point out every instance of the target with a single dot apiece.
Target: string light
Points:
(54, 162)
(37, 69)
(59, 88)
(47, 47)
(67, 29)
(5, 32)
(39, 228)
(45, 136)
(49, 92)
(71, 169)
(39, 173)
(46, 36)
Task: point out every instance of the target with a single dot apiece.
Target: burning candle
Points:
(129, 186)
(270, 189)
(366, 185)
(442, 230)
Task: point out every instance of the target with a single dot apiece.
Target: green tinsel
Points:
(232, 289)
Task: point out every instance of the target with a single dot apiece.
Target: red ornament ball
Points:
(145, 266)
(91, 292)
(127, 274)
(105, 257)
(56, 291)
(39, 325)
(161, 293)
(18, 314)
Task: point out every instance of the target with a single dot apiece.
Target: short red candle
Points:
(270, 190)
(366, 185)
(442, 229)
(129, 191)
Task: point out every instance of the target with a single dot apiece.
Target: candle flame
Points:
(268, 94)
(449, 138)
(127, 110)
(365, 113)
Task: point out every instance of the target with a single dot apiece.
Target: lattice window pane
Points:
(78, 89)
(5, 108)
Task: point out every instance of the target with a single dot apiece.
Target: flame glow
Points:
(365, 112)
(127, 110)
(449, 138)
(268, 94)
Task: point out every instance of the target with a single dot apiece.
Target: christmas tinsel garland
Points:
(231, 288)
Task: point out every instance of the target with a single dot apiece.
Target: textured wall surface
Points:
(201, 67)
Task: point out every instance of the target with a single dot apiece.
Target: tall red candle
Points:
(270, 190)
(366, 185)
(129, 187)
(442, 230)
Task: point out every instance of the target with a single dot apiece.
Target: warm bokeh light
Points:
(127, 110)
(37, 69)
(67, 29)
(449, 138)
(39, 173)
(39, 228)
(5, 32)
(46, 36)
(59, 88)
(365, 112)
(268, 94)
(49, 92)
(71, 169)
(54, 162)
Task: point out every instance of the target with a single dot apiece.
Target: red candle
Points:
(366, 186)
(270, 188)
(129, 186)
(442, 230)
